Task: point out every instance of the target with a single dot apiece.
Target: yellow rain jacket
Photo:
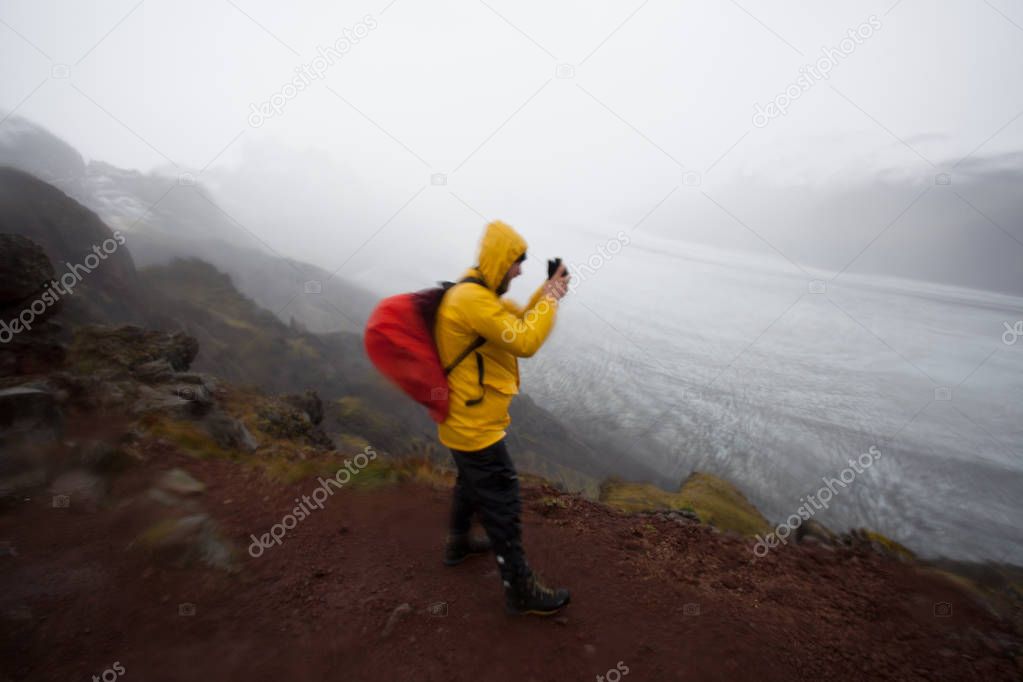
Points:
(478, 413)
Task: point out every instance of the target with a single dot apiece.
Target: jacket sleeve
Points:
(521, 336)
(517, 310)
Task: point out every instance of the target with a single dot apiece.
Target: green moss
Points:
(189, 436)
(291, 471)
(713, 499)
(891, 546)
(347, 442)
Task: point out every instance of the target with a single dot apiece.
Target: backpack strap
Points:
(477, 342)
(483, 389)
(474, 280)
(473, 347)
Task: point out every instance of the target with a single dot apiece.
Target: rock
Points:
(89, 392)
(154, 372)
(29, 342)
(153, 400)
(281, 419)
(165, 498)
(126, 348)
(229, 432)
(26, 270)
(78, 489)
(37, 351)
(309, 403)
(399, 614)
(100, 456)
(30, 429)
(180, 482)
(814, 531)
(193, 378)
(29, 410)
(197, 394)
(864, 538)
(683, 516)
(190, 539)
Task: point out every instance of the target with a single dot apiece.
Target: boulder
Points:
(100, 456)
(180, 482)
(29, 339)
(27, 270)
(282, 420)
(190, 539)
(154, 372)
(228, 432)
(154, 400)
(30, 429)
(815, 532)
(197, 394)
(24, 408)
(127, 348)
(309, 403)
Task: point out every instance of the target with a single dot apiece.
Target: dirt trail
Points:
(76, 598)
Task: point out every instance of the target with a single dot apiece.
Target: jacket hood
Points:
(500, 247)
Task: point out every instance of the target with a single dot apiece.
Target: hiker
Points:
(475, 323)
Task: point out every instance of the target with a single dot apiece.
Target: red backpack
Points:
(399, 341)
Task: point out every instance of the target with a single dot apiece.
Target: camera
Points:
(552, 267)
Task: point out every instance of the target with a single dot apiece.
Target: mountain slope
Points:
(166, 217)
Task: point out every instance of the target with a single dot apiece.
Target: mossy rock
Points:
(188, 435)
(290, 471)
(189, 539)
(887, 545)
(713, 499)
(347, 442)
(127, 347)
(279, 418)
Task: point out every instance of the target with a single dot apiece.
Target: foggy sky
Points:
(653, 128)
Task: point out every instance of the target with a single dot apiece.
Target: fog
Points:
(656, 124)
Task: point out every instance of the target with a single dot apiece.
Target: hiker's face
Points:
(514, 271)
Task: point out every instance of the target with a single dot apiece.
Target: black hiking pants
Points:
(488, 486)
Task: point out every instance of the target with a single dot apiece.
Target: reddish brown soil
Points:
(78, 596)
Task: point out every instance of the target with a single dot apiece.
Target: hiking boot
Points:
(527, 595)
(461, 547)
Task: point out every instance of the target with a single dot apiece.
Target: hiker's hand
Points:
(557, 286)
